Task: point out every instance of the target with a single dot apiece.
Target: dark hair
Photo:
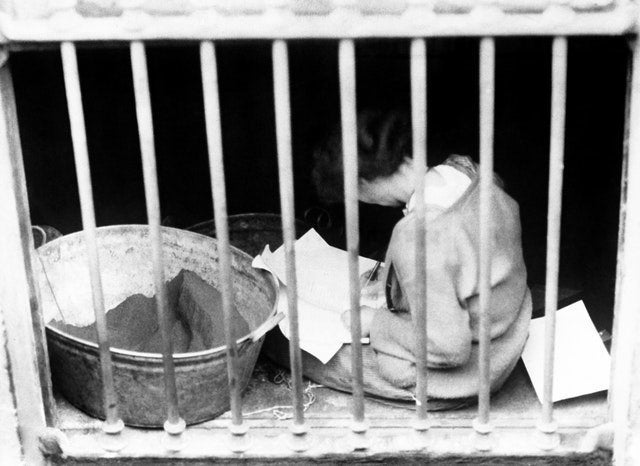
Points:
(384, 141)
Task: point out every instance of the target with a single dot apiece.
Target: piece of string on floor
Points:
(285, 412)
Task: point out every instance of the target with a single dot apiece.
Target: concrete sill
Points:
(451, 439)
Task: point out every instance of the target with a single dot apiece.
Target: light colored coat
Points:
(452, 298)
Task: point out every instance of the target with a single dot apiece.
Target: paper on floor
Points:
(582, 362)
(323, 292)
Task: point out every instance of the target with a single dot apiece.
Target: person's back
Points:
(386, 177)
(452, 246)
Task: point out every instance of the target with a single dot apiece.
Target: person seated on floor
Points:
(386, 177)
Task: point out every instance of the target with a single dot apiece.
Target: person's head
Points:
(384, 161)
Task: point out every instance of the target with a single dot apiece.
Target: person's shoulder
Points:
(462, 163)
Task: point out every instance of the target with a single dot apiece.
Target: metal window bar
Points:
(174, 425)
(112, 424)
(347, 70)
(419, 142)
(318, 19)
(617, 356)
(209, 71)
(558, 113)
(625, 376)
(482, 424)
(21, 313)
(285, 179)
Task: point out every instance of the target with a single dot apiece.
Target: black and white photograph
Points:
(319, 232)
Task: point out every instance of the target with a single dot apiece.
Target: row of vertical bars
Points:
(209, 71)
(418, 70)
(487, 110)
(113, 423)
(175, 425)
(347, 70)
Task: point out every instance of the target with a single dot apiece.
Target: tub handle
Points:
(267, 325)
(47, 233)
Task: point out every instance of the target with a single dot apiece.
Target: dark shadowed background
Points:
(594, 135)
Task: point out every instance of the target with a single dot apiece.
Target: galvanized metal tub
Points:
(252, 232)
(126, 269)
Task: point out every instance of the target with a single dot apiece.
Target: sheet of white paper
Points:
(319, 269)
(259, 262)
(314, 324)
(581, 364)
(322, 271)
(314, 327)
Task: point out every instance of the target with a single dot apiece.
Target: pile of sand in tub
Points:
(195, 313)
